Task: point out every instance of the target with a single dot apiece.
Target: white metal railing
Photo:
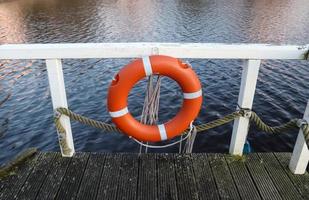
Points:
(251, 53)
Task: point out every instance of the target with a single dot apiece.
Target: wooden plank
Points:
(109, 178)
(301, 182)
(245, 100)
(128, 177)
(147, 177)
(36, 178)
(205, 181)
(22, 169)
(242, 178)
(225, 184)
(73, 176)
(54, 178)
(157, 176)
(262, 180)
(167, 188)
(186, 184)
(91, 179)
(281, 180)
(10, 186)
(131, 50)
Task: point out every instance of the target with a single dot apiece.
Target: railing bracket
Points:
(247, 113)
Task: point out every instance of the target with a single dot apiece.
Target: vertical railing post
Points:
(245, 100)
(300, 156)
(58, 95)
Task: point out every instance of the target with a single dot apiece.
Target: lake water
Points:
(26, 118)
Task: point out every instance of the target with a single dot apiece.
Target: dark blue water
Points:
(26, 117)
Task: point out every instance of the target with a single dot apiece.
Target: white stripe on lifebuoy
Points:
(162, 131)
(119, 113)
(147, 66)
(192, 95)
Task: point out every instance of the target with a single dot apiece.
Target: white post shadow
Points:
(300, 156)
(58, 95)
(245, 100)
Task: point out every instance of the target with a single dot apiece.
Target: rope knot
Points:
(301, 123)
(57, 114)
(245, 112)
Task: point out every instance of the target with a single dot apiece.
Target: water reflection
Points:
(279, 21)
(26, 116)
(12, 29)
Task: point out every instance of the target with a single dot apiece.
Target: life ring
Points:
(129, 75)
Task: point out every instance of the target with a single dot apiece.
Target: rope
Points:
(150, 113)
(305, 129)
(293, 124)
(272, 129)
(192, 128)
(83, 120)
(62, 133)
(190, 141)
(218, 122)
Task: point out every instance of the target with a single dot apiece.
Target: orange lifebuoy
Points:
(129, 75)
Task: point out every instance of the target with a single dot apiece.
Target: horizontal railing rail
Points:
(129, 50)
(251, 53)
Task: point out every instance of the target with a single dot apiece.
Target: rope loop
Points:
(188, 134)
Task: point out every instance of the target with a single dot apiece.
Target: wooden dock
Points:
(155, 176)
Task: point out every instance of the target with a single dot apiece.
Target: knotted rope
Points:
(293, 124)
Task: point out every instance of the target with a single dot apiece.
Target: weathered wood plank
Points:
(10, 186)
(301, 182)
(156, 176)
(205, 181)
(263, 182)
(54, 178)
(167, 188)
(36, 178)
(185, 179)
(223, 177)
(128, 177)
(147, 177)
(242, 178)
(109, 178)
(91, 179)
(281, 180)
(73, 176)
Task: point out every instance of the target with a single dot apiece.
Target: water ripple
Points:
(26, 116)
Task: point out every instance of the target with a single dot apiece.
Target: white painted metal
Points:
(58, 95)
(129, 50)
(245, 100)
(300, 156)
